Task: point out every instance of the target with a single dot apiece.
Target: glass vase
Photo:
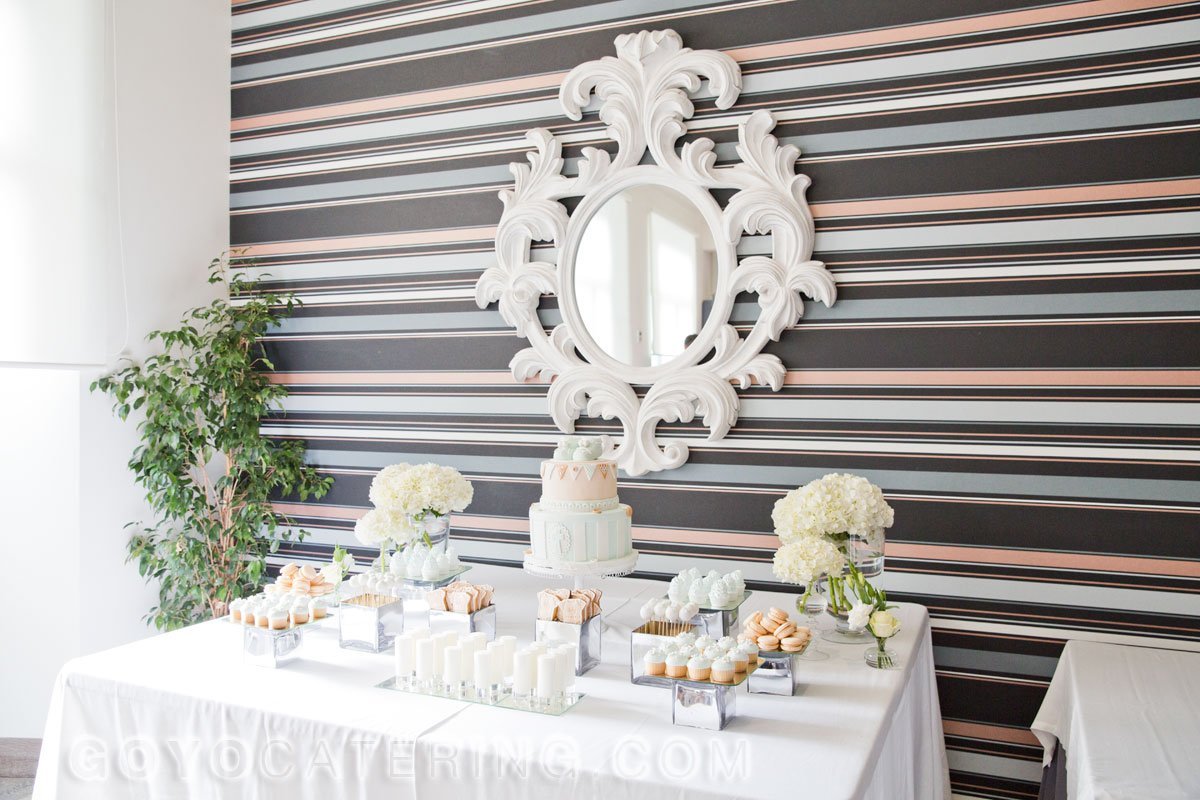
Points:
(867, 552)
(880, 656)
(811, 605)
(437, 528)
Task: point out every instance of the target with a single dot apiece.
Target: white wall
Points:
(172, 94)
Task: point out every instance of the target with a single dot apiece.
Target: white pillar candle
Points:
(420, 633)
(478, 639)
(547, 675)
(566, 666)
(495, 652)
(483, 668)
(424, 660)
(452, 665)
(524, 672)
(508, 648)
(404, 656)
(467, 653)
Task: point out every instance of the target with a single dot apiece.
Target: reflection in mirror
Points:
(645, 275)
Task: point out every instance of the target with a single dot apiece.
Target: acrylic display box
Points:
(586, 638)
(647, 636)
(778, 673)
(720, 621)
(263, 647)
(704, 704)
(481, 621)
(370, 622)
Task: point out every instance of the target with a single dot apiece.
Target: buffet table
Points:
(178, 715)
(1128, 721)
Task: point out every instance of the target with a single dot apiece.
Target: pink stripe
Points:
(369, 242)
(1056, 560)
(994, 733)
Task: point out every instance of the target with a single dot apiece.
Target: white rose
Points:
(860, 615)
(884, 624)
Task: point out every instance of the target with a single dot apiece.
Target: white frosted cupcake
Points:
(235, 609)
(687, 637)
(677, 665)
(749, 648)
(277, 619)
(727, 643)
(723, 670)
(704, 642)
(654, 662)
(741, 661)
(699, 668)
(299, 612)
(713, 652)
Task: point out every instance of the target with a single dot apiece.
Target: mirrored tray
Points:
(505, 700)
(738, 678)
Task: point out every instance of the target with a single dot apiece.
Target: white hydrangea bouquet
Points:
(412, 503)
(817, 525)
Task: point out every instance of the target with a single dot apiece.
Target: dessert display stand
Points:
(412, 591)
(587, 636)
(778, 673)
(705, 704)
(370, 622)
(265, 647)
(501, 697)
(718, 621)
(646, 637)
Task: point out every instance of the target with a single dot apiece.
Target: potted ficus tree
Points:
(210, 475)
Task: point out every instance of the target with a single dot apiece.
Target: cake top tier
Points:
(581, 448)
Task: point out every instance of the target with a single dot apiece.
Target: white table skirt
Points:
(1128, 719)
(178, 715)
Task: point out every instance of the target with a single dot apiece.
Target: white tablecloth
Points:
(1128, 719)
(178, 715)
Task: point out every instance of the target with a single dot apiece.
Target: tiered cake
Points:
(580, 527)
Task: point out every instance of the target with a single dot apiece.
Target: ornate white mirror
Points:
(647, 266)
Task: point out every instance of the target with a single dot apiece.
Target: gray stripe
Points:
(989, 660)
(993, 411)
(1098, 303)
(981, 764)
(964, 483)
(1056, 122)
(458, 36)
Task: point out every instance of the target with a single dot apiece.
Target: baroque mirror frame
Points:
(643, 97)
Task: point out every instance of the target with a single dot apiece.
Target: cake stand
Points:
(577, 571)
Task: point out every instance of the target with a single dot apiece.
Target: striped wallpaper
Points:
(1006, 190)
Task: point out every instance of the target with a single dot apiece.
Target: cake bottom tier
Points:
(565, 537)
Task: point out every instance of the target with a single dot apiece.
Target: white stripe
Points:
(1006, 92)
(779, 407)
(1096, 452)
(412, 17)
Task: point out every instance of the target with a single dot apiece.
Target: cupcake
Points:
(318, 608)
(677, 665)
(687, 637)
(655, 661)
(249, 611)
(260, 618)
(723, 670)
(713, 652)
(740, 660)
(704, 642)
(299, 613)
(749, 648)
(277, 619)
(235, 610)
(727, 643)
(699, 668)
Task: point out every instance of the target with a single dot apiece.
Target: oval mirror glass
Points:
(645, 275)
